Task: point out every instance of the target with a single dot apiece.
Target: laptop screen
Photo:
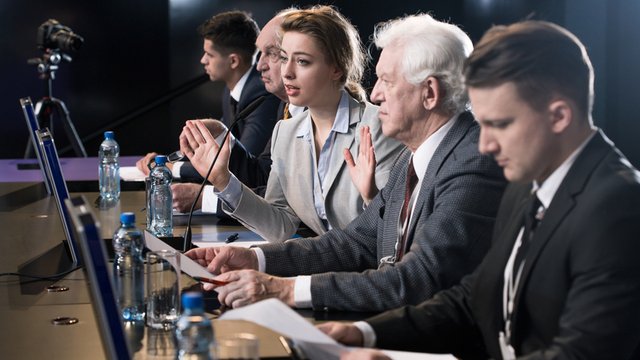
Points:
(59, 189)
(97, 269)
(33, 126)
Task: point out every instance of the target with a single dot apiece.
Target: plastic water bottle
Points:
(194, 332)
(128, 271)
(160, 199)
(109, 167)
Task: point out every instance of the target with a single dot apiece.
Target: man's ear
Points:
(234, 60)
(560, 114)
(431, 93)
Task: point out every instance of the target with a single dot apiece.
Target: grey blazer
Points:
(449, 234)
(289, 196)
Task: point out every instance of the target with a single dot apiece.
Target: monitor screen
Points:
(33, 126)
(59, 189)
(97, 269)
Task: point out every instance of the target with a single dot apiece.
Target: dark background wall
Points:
(136, 51)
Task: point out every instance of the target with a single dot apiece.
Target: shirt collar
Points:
(237, 90)
(295, 110)
(425, 151)
(547, 190)
(340, 124)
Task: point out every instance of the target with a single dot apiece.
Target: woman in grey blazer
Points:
(313, 178)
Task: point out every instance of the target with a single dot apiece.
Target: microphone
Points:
(239, 117)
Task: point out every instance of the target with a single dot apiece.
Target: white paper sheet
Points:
(187, 265)
(277, 316)
(215, 237)
(131, 173)
(406, 355)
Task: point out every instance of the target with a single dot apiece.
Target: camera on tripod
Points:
(55, 40)
(53, 35)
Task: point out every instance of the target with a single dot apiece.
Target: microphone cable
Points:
(241, 115)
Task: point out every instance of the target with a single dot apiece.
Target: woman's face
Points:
(308, 79)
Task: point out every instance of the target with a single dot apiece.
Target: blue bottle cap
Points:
(192, 300)
(127, 218)
(161, 160)
(108, 135)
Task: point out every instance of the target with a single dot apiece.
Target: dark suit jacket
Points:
(254, 132)
(579, 295)
(451, 230)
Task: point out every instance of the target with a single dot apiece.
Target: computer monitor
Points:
(33, 126)
(59, 189)
(97, 269)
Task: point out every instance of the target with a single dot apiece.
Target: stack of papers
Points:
(315, 344)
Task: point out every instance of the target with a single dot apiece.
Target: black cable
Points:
(239, 117)
(53, 277)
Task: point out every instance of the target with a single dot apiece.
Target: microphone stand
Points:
(241, 116)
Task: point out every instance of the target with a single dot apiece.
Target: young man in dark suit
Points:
(561, 280)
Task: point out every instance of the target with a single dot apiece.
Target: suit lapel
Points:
(562, 203)
(454, 136)
(251, 89)
(344, 141)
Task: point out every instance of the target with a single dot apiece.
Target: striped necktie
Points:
(405, 214)
(286, 114)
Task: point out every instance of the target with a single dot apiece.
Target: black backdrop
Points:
(136, 51)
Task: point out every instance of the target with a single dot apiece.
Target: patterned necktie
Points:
(405, 214)
(531, 221)
(285, 113)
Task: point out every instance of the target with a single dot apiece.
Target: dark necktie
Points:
(405, 214)
(531, 221)
(234, 109)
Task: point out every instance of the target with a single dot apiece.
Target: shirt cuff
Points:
(175, 170)
(232, 139)
(262, 261)
(368, 334)
(302, 292)
(209, 200)
(231, 194)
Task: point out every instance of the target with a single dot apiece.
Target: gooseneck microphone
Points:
(239, 117)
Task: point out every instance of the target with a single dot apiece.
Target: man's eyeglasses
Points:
(272, 53)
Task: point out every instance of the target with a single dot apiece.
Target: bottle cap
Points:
(192, 300)
(127, 218)
(108, 135)
(161, 160)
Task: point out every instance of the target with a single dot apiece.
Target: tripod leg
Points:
(28, 152)
(72, 134)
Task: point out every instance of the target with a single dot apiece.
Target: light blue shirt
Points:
(327, 153)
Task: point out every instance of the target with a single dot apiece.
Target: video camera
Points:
(52, 35)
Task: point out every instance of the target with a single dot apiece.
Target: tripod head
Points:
(48, 63)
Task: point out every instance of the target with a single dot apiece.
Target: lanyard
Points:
(511, 286)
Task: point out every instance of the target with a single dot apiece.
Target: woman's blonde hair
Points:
(338, 39)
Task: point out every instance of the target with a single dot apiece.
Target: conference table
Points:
(32, 233)
(31, 228)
